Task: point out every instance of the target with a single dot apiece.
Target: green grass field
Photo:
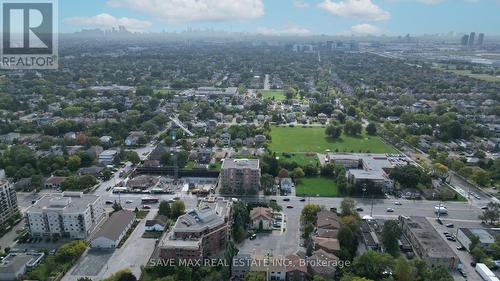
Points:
(269, 94)
(485, 77)
(298, 139)
(301, 158)
(317, 186)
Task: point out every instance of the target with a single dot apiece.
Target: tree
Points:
(390, 235)
(371, 129)
(403, 270)
(348, 242)
(74, 162)
(267, 183)
(122, 275)
(283, 173)
(133, 157)
(164, 208)
(492, 213)
(309, 212)
(439, 273)
(117, 206)
(177, 209)
(310, 170)
(327, 170)
(255, 276)
(372, 264)
(409, 176)
(298, 173)
(352, 128)
(333, 131)
(348, 207)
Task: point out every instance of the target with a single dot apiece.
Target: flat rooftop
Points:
(486, 236)
(428, 237)
(241, 164)
(67, 202)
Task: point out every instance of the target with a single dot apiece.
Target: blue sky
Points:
(286, 17)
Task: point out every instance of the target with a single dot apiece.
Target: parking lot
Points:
(463, 255)
(278, 242)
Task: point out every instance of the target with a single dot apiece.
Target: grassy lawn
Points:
(276, 94)
(301, 158)
(317, 186)
(298, 139)
(463, 72)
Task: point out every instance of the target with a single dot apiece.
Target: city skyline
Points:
(287, 18)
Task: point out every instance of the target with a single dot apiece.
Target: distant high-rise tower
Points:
(480, 39)
(465, 40)
(472, 37)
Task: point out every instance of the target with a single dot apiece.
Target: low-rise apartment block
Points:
(68, 214)
(240, 175)
(200, 233)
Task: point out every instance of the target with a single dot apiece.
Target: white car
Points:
(390, 210)
(397, 203)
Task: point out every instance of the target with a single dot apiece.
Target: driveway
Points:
(99, 264)
(284, 242)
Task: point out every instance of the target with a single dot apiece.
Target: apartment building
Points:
(68, 214)
(8, 201)
(239, 175)
(200, 233)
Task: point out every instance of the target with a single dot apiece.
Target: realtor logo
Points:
(29, 34)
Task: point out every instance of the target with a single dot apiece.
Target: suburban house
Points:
(113, 230)
(261, 218)
(54, 182)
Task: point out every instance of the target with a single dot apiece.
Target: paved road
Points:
(266, 82)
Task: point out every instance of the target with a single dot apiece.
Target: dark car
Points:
(450, 225)
(289, 207)
(286, 199)
(359, 209)
(302, 200)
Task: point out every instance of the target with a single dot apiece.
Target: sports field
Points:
(299, 139)
(277, 94)
(317, 186)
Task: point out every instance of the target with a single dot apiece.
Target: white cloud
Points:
(107, 21)
(290, 30)
(366, 29)
(194, 10)
(301, 4)
(363, 9)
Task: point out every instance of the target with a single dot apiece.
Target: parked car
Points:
(450, 225)
(460, 248)
(484, 208)
(397, 203)
(289, 207)
(359, 209)
(146, 207)
(108, 202)
(286, 199)
(129, 201)
(302, 200)
(390, 210)
(253, 236)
